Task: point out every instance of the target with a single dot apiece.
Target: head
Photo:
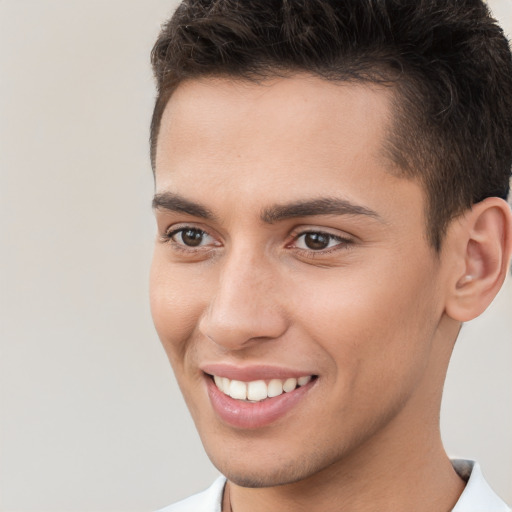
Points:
(330, 180)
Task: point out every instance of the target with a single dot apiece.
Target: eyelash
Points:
(343, 243)
(168, 237)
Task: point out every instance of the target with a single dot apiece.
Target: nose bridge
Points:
(244, 306)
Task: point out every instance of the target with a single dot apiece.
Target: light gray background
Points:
(91, 418)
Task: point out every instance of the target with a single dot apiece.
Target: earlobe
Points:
(483, 238)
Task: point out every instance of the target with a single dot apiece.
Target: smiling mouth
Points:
(259, 390)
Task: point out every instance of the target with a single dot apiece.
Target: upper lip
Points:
(252, 372)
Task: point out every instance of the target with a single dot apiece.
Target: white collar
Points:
(477, 495)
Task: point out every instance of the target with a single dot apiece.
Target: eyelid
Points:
(345, 241)
(182, 226)
(174, 229)
(332, 232)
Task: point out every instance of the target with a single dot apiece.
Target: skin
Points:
(368, 314)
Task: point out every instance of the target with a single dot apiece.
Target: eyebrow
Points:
(321, 206)
(275, 213)
(176, 203)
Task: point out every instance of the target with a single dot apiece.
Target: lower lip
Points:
(248, 415)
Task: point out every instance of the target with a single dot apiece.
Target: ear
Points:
(482, 245)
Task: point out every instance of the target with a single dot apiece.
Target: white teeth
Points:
(258, 390)
(301, 381)
(275, 388)
(238, 390)
(289, 385)
(218, 382)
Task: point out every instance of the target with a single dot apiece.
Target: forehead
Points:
(294, 136)
(282, 110)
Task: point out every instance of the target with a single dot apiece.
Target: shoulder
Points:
(478, 495)
(209, 500)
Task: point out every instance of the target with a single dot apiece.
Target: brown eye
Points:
(191, 237)
(320, 241)
(317, 241)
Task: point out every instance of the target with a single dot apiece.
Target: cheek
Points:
(175, 308)
(376, 325)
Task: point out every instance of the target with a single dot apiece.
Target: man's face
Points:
(286, 250)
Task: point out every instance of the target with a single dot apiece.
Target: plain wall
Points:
(91, 417)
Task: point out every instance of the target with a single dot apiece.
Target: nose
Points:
(245, 305)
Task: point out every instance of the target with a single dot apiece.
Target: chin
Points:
(265, 478)
(275, 471)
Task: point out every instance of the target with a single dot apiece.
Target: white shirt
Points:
(476, 497)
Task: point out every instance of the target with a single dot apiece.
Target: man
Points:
(331, 178)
